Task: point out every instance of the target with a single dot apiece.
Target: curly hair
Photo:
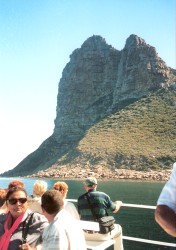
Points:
(15, 183)
(61, 186)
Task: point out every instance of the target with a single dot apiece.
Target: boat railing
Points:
(140, 239)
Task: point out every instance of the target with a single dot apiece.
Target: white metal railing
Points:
(139, 239)
(161, 243)
(138, 206)
(126, 205)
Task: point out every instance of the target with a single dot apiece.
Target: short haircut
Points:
(15, 183)
(61, 187)
(52, 201)
(13, 190)
(40, 188)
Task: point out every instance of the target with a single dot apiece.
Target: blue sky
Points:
(37, 38)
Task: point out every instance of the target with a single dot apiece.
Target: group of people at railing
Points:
(46, 220)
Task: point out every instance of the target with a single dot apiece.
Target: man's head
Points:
(90, 183)
(52, 202)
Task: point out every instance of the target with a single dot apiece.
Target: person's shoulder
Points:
(100, 193)
(173, 173)
(34, 198)
(64, 212)
(174, 167)
(81, 196)
(69, 204)
(3, 217)
(38, 217)
(63, 216)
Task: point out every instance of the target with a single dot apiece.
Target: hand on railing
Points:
(118, 205)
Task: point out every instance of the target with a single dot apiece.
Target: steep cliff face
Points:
(140, 70)
(86, 88)
(98, 80)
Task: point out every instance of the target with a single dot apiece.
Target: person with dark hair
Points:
(62, 187)
(99, 202)
(165, 212)
(63, 232)
(15, 183)
(20, 221)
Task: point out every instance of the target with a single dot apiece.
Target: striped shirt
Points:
(63, 233)
(100, 201)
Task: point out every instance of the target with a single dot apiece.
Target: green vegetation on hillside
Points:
(140, 136)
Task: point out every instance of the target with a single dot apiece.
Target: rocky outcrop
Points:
(102, 173)
(140, 70)
(86, 88)
(97, 81)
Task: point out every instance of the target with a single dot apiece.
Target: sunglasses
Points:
(14, 201)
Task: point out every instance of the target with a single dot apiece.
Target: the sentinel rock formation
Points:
(97, 81)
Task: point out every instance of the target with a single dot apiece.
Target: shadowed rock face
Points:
(98, 80)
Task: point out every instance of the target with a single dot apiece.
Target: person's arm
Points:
(26, 246)
(166, 218)
(118, 205)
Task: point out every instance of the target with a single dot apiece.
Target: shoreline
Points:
(102, 173)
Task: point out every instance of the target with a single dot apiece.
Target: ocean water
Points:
(135, 222)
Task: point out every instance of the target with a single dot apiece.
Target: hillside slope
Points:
(141, 136)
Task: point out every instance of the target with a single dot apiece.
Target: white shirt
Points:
(70, 207)
(63, 233)
(168, 194)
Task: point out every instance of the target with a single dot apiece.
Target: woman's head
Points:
(62, 187)
(16, 201)
(15, 183)
(40, 188)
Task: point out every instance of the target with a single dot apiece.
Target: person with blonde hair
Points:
(39, 188)
(62, 187)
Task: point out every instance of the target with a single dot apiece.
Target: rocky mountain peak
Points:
(95, 42)
(134, 41)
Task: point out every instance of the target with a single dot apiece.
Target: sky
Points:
(36, 39)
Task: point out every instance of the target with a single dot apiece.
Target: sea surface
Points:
(135, 222)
